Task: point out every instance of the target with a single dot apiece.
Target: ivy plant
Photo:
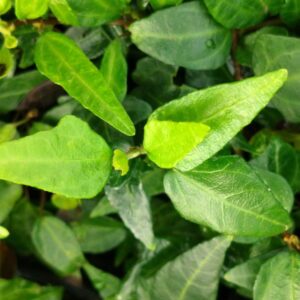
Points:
(149, 149)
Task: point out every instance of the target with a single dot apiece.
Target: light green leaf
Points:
(6, 62)
(159, 4)
(238, 13)
(106, 284)
(278, 278)
(5, 6)
(192, 275)
(120, 161)
(69, 160)
(64, 203)
(225, 194)
(272, 52)
(290, 12)
(97, 12)
(99, 235)
(168, 142)
(63, 12)
(114, 69)
(9, 194)
(196, 42)
(4, 233)
(32, 9)
(57, 55)
(56, 245)
(7, 132)
(10, 97)
(18, 288)
(133, 207)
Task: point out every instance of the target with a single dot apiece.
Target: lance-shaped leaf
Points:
(30, 9)
(56, 245)
(225, 108)
(97, 12)
(61, 60)
(196, 42)
(114, 69)
(192, 275)
(278, 278)
(226, 194)
(70, 160)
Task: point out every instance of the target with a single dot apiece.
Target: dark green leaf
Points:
(290, 12)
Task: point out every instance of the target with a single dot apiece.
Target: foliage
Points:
(149, 149)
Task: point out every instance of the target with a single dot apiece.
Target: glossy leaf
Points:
(56, 161)
(241, 205)
(84, 82)
(272, 52)
(63, 12)
(278, 278)
(197, 42)
(99, 235)
(10, 97)
(238, 13)
(56, 245)
(133, 207)
(32, 9)
(159, 4)
(9, 194)
(114, 69)
(97, 12)
(167, 142)
(192, 275)
(226, 109)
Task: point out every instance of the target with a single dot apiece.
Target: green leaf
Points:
(69, 160)
(84, 82)
(159, 4)
(63, 12)
(103, 208)
(192, 275)
(5, 6)
(238, 13)
(4, 233)
(99, 235)
(106, 284)
(137, 109)
(9, 194)
(120, 161)
(226, 109)
(6, 62)
(290, 12)
(278, 278)
(272, 52)
(7, 132)
(225, 194)
(133, 207)
(10, 97)
(32, 9)
(168, 142)
(64, 203)
(56, 245)
(17, 288)
(114, 69)
(196, 42)
(97, 12)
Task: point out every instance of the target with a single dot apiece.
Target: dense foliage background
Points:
(110, 188)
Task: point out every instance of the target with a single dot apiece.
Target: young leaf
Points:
(237, 13)
(5, 6)
(223, 194)
(278, 278)
(167, 142)
(64, 203)
(99, 235)
(192, 275)
(69, 160)
(133, 207)
(272, 52)
(84, 82)
(120, 161)
(7, 132)
(159, 4)
(63, 12)
(32, 9)
(6, 62)
(56, 245)
(196, 42)
(114, 69)
(97, 12)
(226, 109)
(4, 233)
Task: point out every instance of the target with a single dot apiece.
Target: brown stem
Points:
(42, 22)
(236, 65)
(270, 22)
